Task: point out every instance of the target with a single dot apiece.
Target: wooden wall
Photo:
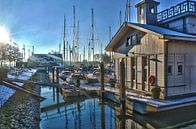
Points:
(150, 45)
(184, 52)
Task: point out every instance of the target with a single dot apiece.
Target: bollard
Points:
(102, 78)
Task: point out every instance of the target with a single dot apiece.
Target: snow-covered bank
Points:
(6, 93)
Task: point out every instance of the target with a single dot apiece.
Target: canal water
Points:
(91, 113)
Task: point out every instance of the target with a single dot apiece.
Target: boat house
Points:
(159, 50)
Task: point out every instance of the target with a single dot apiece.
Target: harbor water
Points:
(91, 113)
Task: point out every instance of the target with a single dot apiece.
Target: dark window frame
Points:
(180, 69)
(170, 70)
(128, 41)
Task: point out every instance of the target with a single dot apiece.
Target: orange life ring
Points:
(151, 80)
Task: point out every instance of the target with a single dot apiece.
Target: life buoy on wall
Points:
(151, 80)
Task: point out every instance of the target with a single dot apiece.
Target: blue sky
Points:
(40, 22)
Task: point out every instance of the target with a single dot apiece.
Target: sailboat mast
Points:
(67, 51)
(92, 27)
(120, 18)
(101, 53)
(110, 37)
(89, 51)
(77, 43)
(128, 11)
(64, 40)
(74, 34)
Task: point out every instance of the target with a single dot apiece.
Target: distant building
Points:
(162, 45)
(45, 60)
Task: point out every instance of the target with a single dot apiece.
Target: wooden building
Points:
(162, 45)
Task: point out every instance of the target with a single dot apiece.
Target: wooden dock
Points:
(147, 105)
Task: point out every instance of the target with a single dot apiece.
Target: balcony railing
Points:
(184, 7)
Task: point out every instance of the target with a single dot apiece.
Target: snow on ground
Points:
(153, 102)
(6, 93)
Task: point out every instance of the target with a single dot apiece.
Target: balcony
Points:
(184, 7)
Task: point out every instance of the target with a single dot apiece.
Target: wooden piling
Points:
(57, 75)
(57, 81)
(102, 78)
(78, 85)
(122, 88)
(102, 116)
(53, 68)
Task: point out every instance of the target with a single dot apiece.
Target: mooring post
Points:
(102, 116)
(78, 85)
(53, 68)
(57, 81)
(122, 88)
(57, 75)
(48, 70)
(102, 79)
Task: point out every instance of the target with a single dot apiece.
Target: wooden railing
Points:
(184, 7)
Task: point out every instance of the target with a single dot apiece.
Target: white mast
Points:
(77, 42)
(74, 36)
(64, 40)
(128, 11)
(92, 32)
(120, 18)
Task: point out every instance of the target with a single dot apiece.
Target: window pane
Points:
(179, 69)
(133, 74)
(141, 10)
(145, 74)
(133, 40)
(152, 10)
(169, 69)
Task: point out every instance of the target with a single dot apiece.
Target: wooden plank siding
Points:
(184, 53)
(150, 45)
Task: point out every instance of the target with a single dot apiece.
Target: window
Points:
(144, 64)
(128, 43)
(145, 74)
(169, 69)
(133, 40)
(141, 10)
(152, 10)
(133, 67)
(179, 69)
(133, 73)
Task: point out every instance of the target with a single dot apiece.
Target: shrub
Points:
(3, 73)
(156, 92)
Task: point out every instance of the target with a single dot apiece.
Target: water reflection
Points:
(93, 113)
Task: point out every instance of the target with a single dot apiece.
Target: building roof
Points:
(161, 32)
(147, 1)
